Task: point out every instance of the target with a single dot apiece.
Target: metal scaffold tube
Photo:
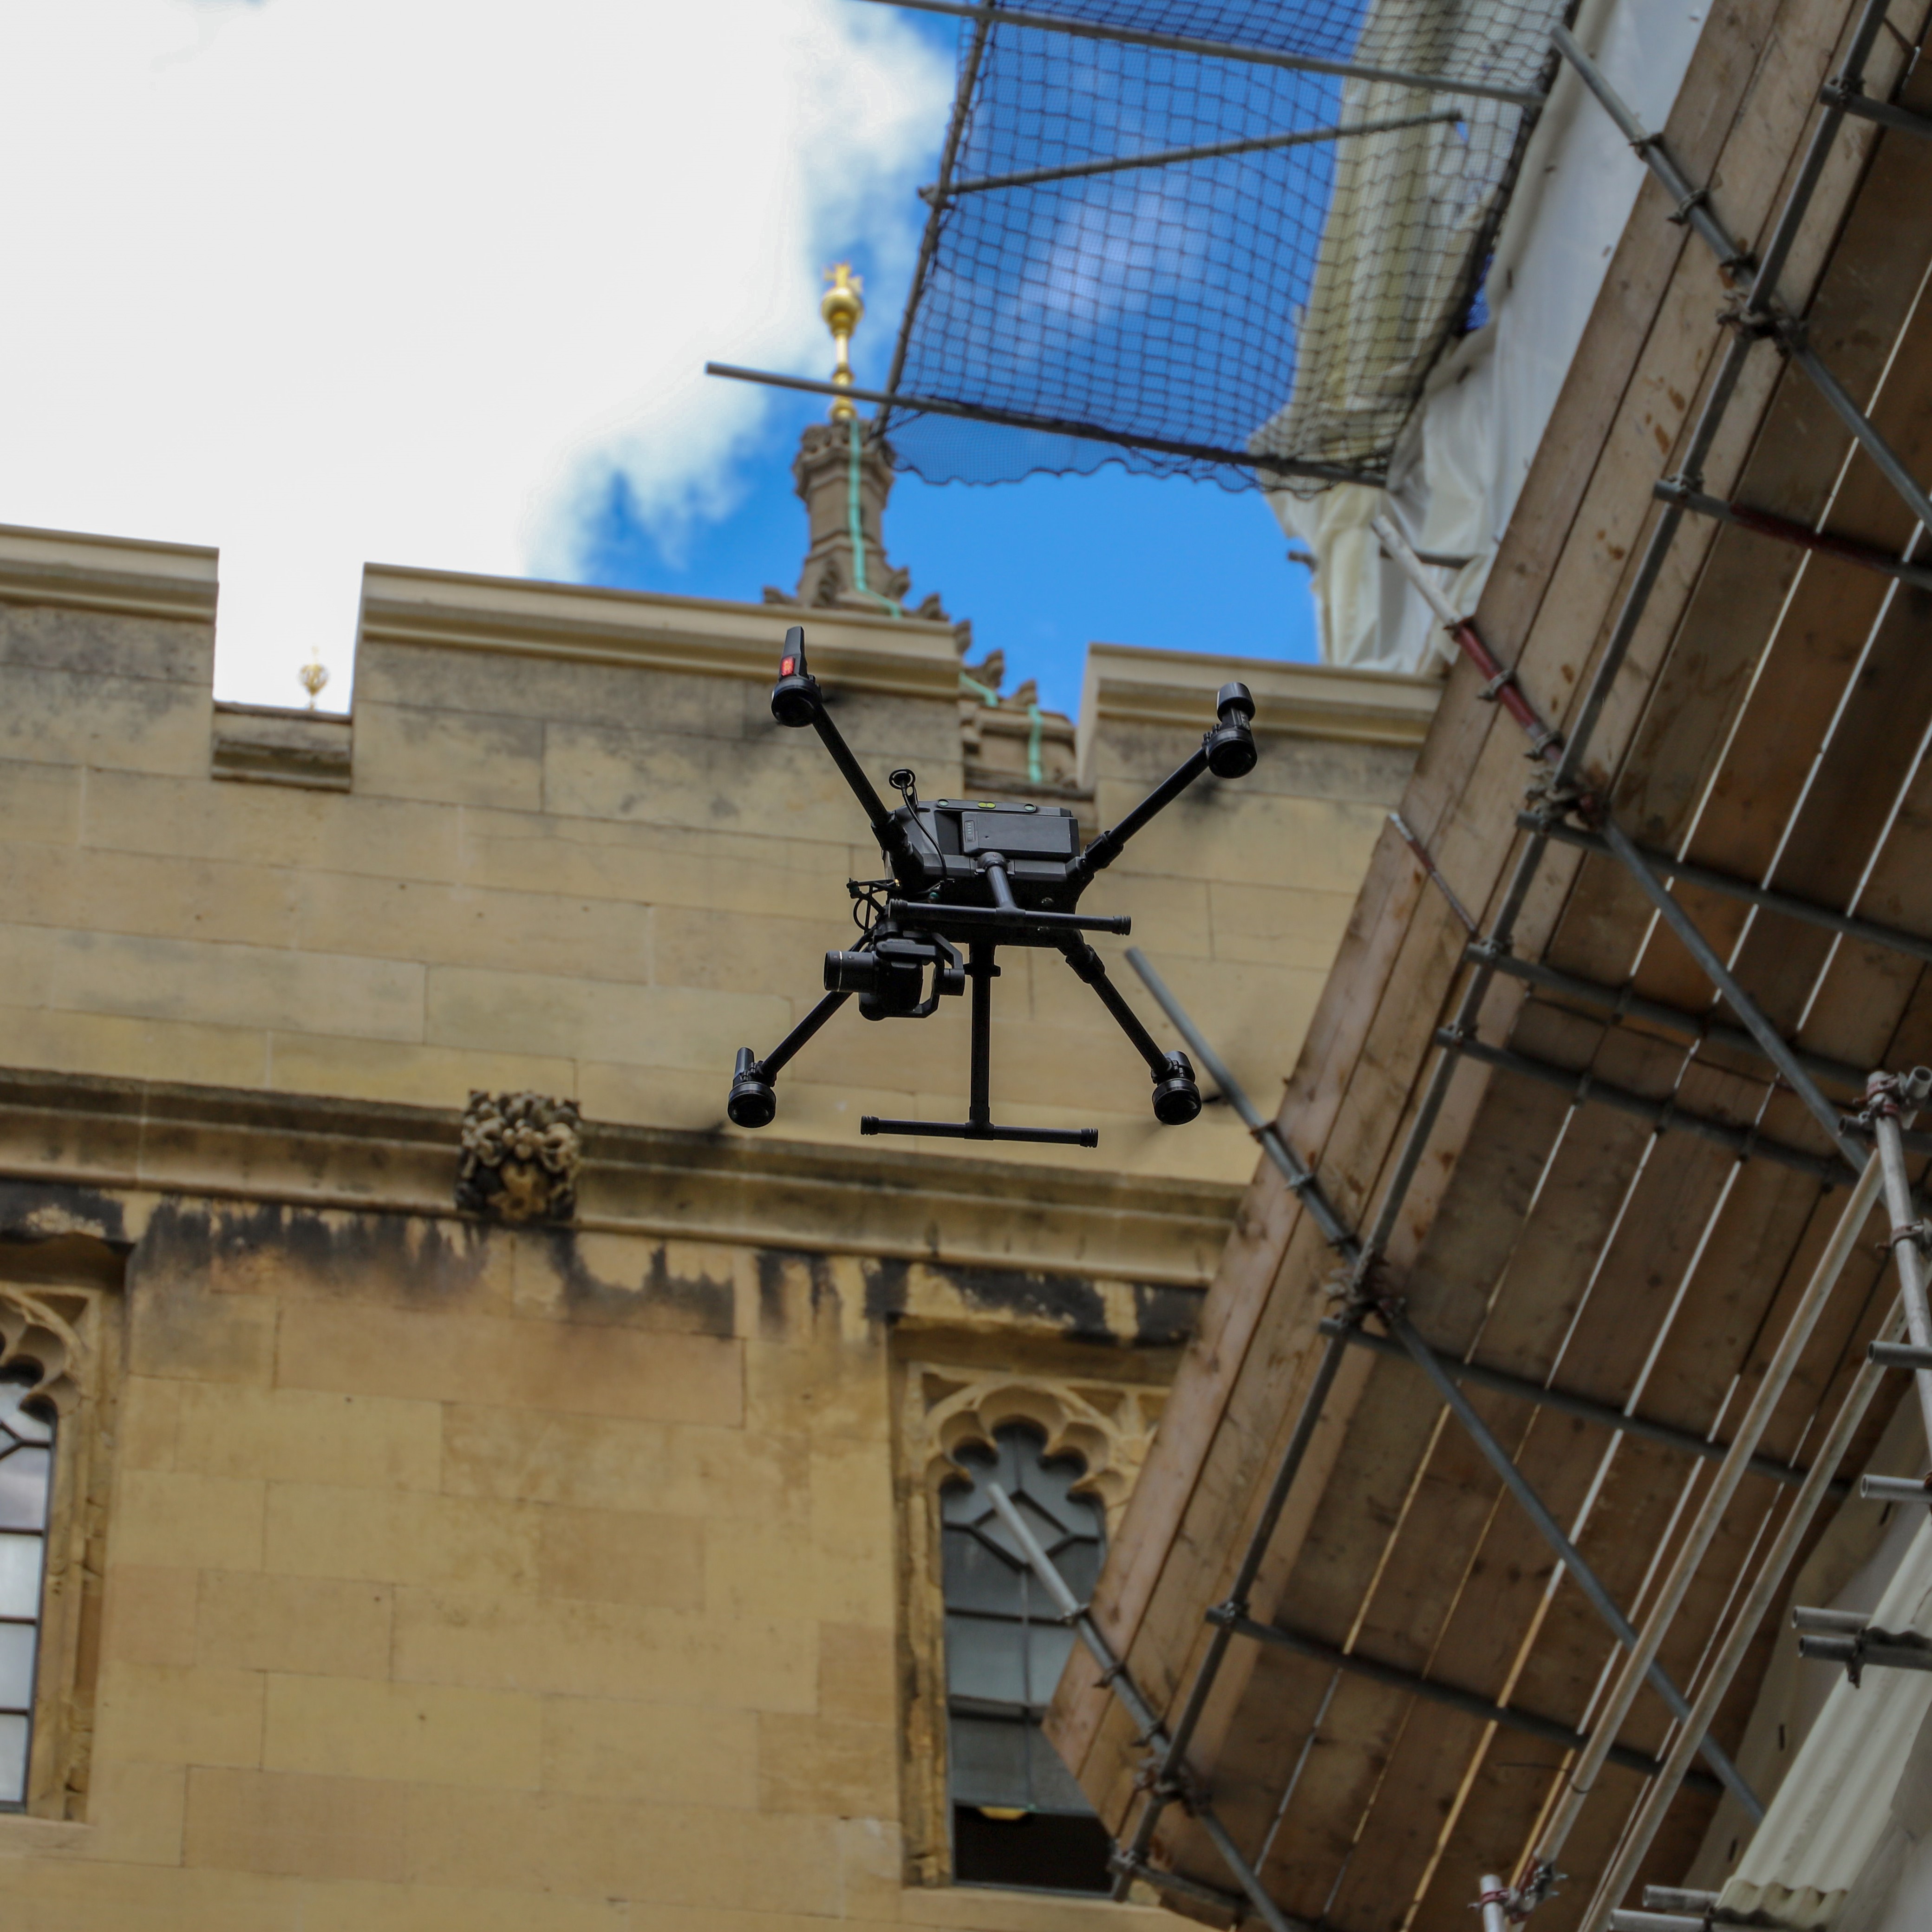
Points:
(1114, 1674)
(1709, 1518)
(1722, 1667)
(1548, 1527)
(1889, 1094)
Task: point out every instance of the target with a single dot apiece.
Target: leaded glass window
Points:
(26, 1480)
(1018, 1819)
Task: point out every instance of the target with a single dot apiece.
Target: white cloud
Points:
(326, 281)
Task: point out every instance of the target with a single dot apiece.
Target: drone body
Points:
(976, 875)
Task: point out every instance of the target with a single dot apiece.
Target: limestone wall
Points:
(413, 1573)
(570, 850)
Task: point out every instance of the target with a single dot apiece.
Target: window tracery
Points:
(985, 1653)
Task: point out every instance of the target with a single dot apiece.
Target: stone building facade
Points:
(568, 1559)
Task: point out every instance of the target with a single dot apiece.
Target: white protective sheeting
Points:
(1455, 478)
(1849, 1836)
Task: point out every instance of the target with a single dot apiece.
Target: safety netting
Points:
(1201, 314)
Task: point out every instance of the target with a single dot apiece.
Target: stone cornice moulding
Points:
(140, 1142)
(1175, 690)
(70, 570)
(902, 657)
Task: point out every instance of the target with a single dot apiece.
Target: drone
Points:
(967, 878)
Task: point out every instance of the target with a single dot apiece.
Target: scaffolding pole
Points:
(1709, 1518)
(1115, 1675)
(1724, 1667)
(1564, 1402)
(1548, 1527)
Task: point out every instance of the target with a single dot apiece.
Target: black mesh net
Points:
(1284, 302)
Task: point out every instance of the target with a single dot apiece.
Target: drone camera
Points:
(753, 1102)
(889, 976)
(795, 698)
(1231, 745)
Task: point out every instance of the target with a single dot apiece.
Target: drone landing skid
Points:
(979, 877)
(965, 1130)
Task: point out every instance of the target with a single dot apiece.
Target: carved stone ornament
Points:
(521, 1155)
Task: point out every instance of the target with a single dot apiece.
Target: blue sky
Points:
(1042, 567)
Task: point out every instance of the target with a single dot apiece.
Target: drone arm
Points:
(796, 699)
(1228, 751)
(1106, 846)
(888, 835)
(781, 1055)
(1093, 969)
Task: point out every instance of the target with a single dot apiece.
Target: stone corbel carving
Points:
(521, 1155)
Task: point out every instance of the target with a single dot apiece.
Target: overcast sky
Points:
(321, 282)
(324, 280)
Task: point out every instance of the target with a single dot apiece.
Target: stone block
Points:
(419, 1076)
(566, 1647)
(150, 1409)
(732, 951)
(596, 1462)
(150, 1614)
(173, 1519)
(320, 1626)
(282, 1822)
(857, 1680)
(555, 687)
(628, 1281)
(178, 1332)
(731, 872)
(100, 891)
(585, 1020)
(66, 717)
(108, 644)
(296, 1253)
(269, 825)
(163, 1714)
(1276, 926)
(414, 1733)
(135, 1812)
(653, 1754)
(724, 1861)
(288, 1434)
(448, 758)
(91, 1895)
(400, 1536)
(517, 1364)
(459, 924)
(829, 1765)
(41, 803)
(618, 1556)
(366, 1907)
(142, 1049)
(236, 985)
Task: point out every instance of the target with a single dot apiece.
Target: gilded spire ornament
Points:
(843, 306)
(313, 675)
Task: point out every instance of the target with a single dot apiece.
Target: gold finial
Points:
(313, 675)
(843, 306)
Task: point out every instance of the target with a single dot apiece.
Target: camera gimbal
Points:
(982, 876)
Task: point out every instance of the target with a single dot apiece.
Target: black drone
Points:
(978, 876)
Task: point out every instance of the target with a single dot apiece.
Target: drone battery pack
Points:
(1017, 831)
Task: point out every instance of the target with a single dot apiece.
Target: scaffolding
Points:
(1868, 1148)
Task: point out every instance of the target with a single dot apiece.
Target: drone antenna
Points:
(905, 782)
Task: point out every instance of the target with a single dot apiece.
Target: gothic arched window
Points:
(26, 1479)
(1018, 1819)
